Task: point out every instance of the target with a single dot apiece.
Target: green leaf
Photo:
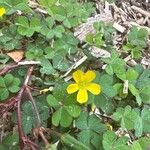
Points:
(110, 141)
(2, 147)
(137, 36)
(88, 128)
(23, 23)
(105, 79)
(144, 143)
(142, 84)
(126, 116)
(59, 62)
(72, 143)
(14, 89)
(15, 86)
(81, 123)
(88, 137)
(28, 123)
(146, 119)
(105, 103)
(3, 58)
(50, 22)
(138, 99)
(61, 117)
(136, 146)
(133, 90)
(56, 117)
(118, 67)
(89, 38)
(52, 147)
(67, 44)
(47, 3)
(12, 83)
(116, 64)
(8, 79)
(138, 126)
(50, 53)
(67, 23)
(136, 52)
(51, 100)
(145, 94)
(27, 27)
(58, 12)
(95, 39)
(8, 84)
(14, 6)
(35, 23)
(47, 68)
(11, 140)
(127, 47)
(73, 110)
(4, 94)
(64, 113)
(58, 31)
(66, 119)
(137, 40)
(131, 74)
(144, 79)
(29, 118)
(2, 83)
(139, 68)
(106, 82)
(34, 53)
(109, 70)
(59, 91)
(9, 39)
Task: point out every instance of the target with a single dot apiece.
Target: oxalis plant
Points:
(47, 103)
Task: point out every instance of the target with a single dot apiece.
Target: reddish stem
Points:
(43, 138)
(20, 129)
(7, 105)
(15, 65)
(18, 99)
(8, 68)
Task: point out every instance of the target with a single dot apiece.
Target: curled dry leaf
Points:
(16, 55)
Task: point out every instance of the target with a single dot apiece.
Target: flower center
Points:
(82, 85)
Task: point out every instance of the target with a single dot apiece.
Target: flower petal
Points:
(72, 88)
(93, 88)
(78, 75)
(82, 96)
(89, 76)
(2, 11)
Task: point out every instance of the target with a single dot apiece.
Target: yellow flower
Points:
(2, 11)
(83, 84)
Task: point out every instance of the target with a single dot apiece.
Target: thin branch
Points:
(20, 129)
(7, 105)
(43, 137)
(35, 107)
(8, 68)
(23, 139)
(40, 132)
(22, 63)
(18, 99)
(30, 143)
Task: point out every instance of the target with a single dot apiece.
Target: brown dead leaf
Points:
(16, 55)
